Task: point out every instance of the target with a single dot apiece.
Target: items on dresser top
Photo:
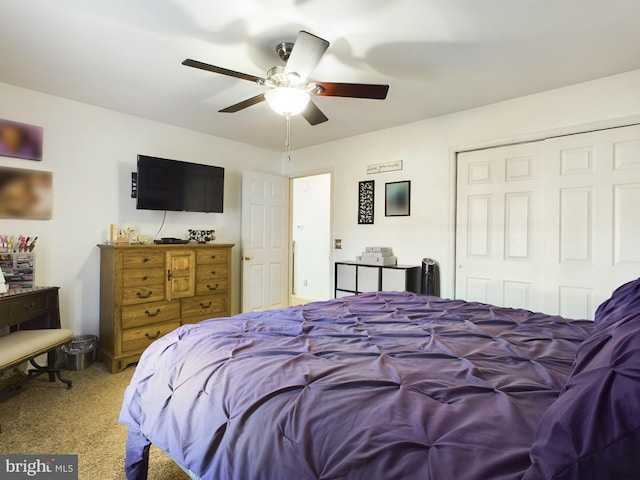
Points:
(146, 291)
(380, 256)
(171, 240)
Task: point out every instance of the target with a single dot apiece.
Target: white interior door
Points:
(499, 233)
(265, 240)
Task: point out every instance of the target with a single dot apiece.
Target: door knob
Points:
(248, 257)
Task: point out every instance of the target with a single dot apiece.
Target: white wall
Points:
(92, 152)
(427, 149)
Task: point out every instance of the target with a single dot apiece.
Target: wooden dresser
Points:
(146, 291)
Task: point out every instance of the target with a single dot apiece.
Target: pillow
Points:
(593, 429)
(625, 299)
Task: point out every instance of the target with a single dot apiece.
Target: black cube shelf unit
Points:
(353, 278)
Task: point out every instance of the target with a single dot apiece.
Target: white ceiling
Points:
(438, 56)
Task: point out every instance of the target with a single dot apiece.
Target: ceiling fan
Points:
(289, 86)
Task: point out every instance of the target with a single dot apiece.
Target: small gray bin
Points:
(80, 351)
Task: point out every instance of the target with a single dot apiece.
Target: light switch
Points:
(338, 244)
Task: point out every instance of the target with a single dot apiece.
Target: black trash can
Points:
(430, 277)
(80, 351)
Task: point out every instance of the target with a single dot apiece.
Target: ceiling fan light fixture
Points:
(287, 100)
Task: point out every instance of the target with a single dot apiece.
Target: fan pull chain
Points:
(288, 141)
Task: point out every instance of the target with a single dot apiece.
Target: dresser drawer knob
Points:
(142, 295)
(29, 306)
(152, 337)
(213, 272)
(145, 260)
(149, 314)
(213, 288)
(145, 278)
(205, 305)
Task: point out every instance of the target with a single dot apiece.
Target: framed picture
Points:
(366, 195)
(397, 199)
(20, 140)
(25, 193)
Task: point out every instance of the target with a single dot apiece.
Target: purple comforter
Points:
(379, 386)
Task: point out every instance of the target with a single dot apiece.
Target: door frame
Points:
(303, 174)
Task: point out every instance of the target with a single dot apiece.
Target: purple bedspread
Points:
(384, 385)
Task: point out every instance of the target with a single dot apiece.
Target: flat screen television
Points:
(165, 184)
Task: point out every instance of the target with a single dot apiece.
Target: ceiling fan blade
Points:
(244, 104)
(313, 114)
(224, 71)
(354, 90)
(305, 55)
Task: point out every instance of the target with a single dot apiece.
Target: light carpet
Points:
(45, 418)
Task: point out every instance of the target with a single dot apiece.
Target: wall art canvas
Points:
(397, 199)
(25, 193)
(20, 140)
(366, 193)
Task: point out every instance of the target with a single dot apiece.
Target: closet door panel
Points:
(500, 226)
(592, 196)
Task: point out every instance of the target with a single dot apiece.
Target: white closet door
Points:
(593, 204)
(500, 233)
(551, 225)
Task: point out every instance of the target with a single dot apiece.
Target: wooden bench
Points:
(33, 318)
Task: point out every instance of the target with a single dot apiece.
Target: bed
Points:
(393, 385)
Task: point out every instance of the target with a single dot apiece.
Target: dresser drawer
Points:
(136, 339)
(29, 307)
(142, 276)
(146, 313)
(145, 258)
(219, 285)
(142, 294)
(205, 305)
(209, 256)
(214, 270)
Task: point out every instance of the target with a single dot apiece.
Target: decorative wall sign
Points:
(20, 140)
(366, 197)
(397, 199)
(25, 193)
(384, 167)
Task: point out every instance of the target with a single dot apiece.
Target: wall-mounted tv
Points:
(165, 184)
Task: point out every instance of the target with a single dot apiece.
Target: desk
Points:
(30, 308)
